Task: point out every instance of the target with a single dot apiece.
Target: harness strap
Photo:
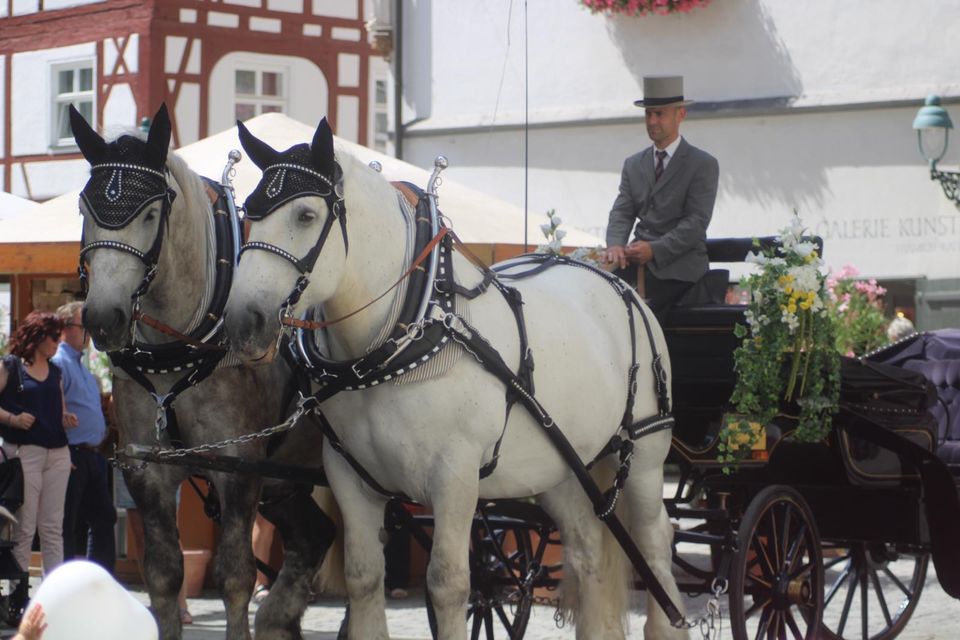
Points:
(337, 445)
(165, 329)
(211, 500)
(313, 325)
(166, 416)
(491, 360)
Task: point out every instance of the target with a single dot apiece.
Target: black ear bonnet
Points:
(293, 174)
(124, 183)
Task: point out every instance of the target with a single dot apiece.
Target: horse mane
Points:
(365, 183)
(193, 187)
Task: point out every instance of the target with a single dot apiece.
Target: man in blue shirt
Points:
(89, 500)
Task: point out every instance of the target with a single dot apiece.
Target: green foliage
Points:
(787, 356)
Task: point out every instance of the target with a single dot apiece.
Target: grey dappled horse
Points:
(142, 205)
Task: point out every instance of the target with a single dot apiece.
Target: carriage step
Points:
(698, 514)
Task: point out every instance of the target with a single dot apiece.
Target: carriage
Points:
(797, 536)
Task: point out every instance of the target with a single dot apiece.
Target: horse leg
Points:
(454, 500)
(363, 549)
(594, 588)
(235, 569)
(651, 528)
(153, 491)
(307, 533)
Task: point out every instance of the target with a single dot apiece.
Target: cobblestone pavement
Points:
(937, 618)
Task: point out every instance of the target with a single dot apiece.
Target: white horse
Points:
(127, 210)
(429, 438)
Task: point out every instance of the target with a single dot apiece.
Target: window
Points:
(258, 91)
(72, 84)
(381, 134)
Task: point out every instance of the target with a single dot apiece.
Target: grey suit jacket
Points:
(672, 214)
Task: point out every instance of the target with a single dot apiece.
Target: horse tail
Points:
(614, 569)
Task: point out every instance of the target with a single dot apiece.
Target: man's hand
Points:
(639, 251)
(616, 255)
(70, 420)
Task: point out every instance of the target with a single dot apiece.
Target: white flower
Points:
(555, 246)
(805, 278)
(556, 220)
(804, 249)
(546, 229)
(560, 234)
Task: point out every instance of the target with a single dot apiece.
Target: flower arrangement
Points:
(554, 242)
(787, 354)
(643, 7)
(857, 309)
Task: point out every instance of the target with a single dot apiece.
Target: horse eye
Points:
(149, 217)
(306, 216)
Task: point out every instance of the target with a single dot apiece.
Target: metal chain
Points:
(710, 622)
(304, 405)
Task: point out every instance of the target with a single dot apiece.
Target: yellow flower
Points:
(792, 308)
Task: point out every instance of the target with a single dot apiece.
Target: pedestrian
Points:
(33, 424)
(89, 503)
(263, 532)
(899, 328)
(666, 197)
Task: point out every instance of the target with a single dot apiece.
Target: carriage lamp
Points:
(933, 126)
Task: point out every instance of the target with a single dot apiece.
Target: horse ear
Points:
(92, 146)
(321, 149)
(158, 140)
(262, 154)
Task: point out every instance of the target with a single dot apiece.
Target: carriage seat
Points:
(945, 374)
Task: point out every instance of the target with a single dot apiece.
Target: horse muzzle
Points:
(109, 326)
(253, 338)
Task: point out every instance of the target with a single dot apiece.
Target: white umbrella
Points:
(475, 216)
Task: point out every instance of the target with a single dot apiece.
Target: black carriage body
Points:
(856, 491)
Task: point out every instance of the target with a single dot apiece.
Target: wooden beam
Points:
(39, 257)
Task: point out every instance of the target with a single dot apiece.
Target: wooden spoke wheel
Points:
(776, 581)
(500, 600)
(872, 589)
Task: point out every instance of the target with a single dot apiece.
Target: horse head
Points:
(125, 205)
(298, 229)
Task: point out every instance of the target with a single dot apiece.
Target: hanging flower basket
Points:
(643, 7)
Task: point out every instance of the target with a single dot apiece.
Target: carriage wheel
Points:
(873, 580)
(499, 562)
(776, 581)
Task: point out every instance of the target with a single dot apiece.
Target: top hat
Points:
(662, 91)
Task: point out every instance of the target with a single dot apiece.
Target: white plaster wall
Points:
(584, 65)
(21, 7)
(348, 118)
(308, 103)
(50, 5)
(854, 177)
(851, 169)
(49, 179)
(30, 100)
(3, 106)
(188, 122)
(120, 111)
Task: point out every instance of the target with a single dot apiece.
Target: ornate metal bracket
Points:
(950, 181)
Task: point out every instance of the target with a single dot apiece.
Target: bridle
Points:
(112, 193)
(332, 196)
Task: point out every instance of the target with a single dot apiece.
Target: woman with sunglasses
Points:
(33, 419)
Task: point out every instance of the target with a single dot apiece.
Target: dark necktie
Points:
(659, 170)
